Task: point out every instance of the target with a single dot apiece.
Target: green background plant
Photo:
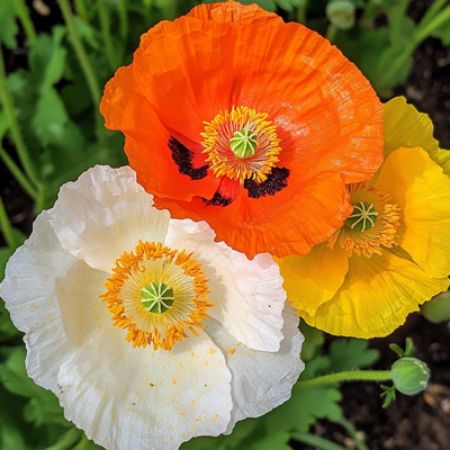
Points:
(51, 131)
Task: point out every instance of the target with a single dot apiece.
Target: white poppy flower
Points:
(148, 331)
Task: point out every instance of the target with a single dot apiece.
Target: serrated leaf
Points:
(47, 58)
(305, 407)
(43, 406)
(7, 328)
(350, 354)
(317, 366)
(401, 32)
(8, 24)
(443, 33)
(232, 441)
(314, 339)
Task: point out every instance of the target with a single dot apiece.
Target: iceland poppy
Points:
(254, 125)
(393, 252)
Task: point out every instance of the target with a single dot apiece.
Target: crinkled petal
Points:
(128, 398)
(313, 279)
(53, 299)
(418, 185)
(232, 12)
(376, 297)
(291, 222)
(105, 213)
(247, 294)
(146, 140)
(404, 126)
(261, 380)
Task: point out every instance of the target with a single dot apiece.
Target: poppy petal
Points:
(376, 297)
(418, 185)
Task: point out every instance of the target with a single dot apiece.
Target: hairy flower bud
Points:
(410, 375)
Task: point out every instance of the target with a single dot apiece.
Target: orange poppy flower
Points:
(255, 125)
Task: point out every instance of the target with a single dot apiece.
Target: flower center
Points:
(362, 218)
(244, 143)
(157, 294)
(157, 297)
(241, 144)
(373, 224)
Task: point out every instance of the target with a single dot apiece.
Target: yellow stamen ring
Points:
(157, 294)
(241, 144)
(373, 224)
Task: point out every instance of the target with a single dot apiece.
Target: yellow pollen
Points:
(151, 262)
(225, 153)
(373, 224)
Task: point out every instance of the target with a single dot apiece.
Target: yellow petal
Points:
(418, 185)
(313, 279)
(404, 126)
(376, 297)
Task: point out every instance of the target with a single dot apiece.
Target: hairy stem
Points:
(349, 375)
(24, 16)
(10, 114)
(80, 51)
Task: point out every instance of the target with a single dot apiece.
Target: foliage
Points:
(52, 70)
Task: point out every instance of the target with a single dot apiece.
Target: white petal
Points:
(261, 380)
(248, 294)
(28, 290)
(104, 213)
(129, 398)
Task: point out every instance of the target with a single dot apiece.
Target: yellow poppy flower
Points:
(393, 252)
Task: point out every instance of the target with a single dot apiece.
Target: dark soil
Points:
(421, 422)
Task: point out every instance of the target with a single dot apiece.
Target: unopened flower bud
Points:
(341, 13)
(410, 375)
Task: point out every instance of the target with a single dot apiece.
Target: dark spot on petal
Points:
(183, 159)
(276, 181)
(218, 200)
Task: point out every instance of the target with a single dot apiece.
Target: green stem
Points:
(316, 441)
(18, 174)
(349, 375)
(123, 19)
(25, 19)
(67, 440)
(105, 28)
(370, 12)
(431, 12)
(421, 34)
(432, 25)
(331, 32)
(80, 51)
(353, 432)
(10, 114)
(301, 11)
(169, 9)
(6, 227)
(81, 10)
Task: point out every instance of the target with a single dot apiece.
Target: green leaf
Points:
(268, 5)
(8, 24)
(314, 339)
(401, 33)
(232, 441)
(350, 354)
(48, 58)
(43, 406)
(86, 444)
(305, 407)
(7, 329)
(438, 309)
(443, 33)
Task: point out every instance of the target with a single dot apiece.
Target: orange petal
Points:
(290, 222)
